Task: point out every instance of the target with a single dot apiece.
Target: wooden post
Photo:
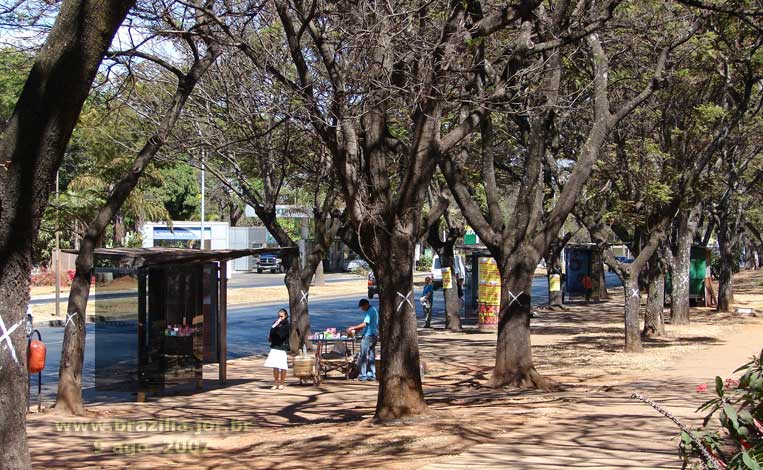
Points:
(223, 340)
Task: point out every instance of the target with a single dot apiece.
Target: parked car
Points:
(269, 262)
(458, 265)
(354, 265)
(373, 288)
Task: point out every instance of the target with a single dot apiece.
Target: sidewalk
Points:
(607, 430)
(591, 423)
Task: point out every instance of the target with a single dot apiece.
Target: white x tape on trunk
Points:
(6, 337)
(406, 298)
(635, 293)
(304, 297)
(70, 319)
(515, 298)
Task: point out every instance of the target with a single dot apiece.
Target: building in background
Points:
(187, 234)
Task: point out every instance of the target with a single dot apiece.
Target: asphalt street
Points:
(237, 281)
(248, 327)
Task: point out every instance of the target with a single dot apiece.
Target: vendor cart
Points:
(327, 358)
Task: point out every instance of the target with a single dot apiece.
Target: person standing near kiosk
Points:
(370, 327)
(279, 344)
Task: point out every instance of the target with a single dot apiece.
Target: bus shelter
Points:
(583, 260)
(168, 323)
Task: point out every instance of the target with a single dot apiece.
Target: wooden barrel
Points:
(304, 366)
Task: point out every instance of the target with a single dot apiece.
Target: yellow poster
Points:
(489, 298)
(555, 283)
(490, 293)
(488, 270)
(447, 279)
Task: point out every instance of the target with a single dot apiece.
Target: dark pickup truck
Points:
(269, 262)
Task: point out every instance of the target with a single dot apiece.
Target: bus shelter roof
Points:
(142, 257)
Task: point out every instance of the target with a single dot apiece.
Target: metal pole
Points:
(223, 331)
(203, 195)
(57, 257)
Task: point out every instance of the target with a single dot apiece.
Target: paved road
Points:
(237, 281)
(248, 328)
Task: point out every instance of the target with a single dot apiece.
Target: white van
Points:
(459, 265)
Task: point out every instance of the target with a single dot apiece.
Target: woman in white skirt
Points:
(279, 344)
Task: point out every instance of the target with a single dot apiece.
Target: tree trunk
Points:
(14, 288)
(603, 292)
(119, 230)
(298, 303)
(69, 397)
(400, 389)
(726, 270)
(680, 267)
(452, 306)
(653, 320)
(632, 314)
(31, 150)
(554, 268)
(513, 361)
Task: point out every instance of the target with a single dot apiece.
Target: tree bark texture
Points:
(69, 395)
(728, 239)
(31, 150)
(514, 363)
(299, 292)
(654, 325)
(632, 314)
(445, 250)
(400, 389)
(680, 267)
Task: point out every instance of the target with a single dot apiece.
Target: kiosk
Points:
(168, 322)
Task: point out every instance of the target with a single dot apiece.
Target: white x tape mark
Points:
(70, 319)
(406, 298)
(6, 337)
(635, 293)
(304, 297)
(515, 298)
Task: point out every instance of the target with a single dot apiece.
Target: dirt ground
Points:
(589, 422)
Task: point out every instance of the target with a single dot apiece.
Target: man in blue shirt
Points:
(427, 299)
(370, 326)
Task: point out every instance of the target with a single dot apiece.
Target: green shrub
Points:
(425, 263)
(735, 440)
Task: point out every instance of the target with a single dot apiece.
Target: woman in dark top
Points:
(279, 344)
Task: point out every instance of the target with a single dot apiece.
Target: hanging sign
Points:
(447, 278)
(489, 300)
(555, 283)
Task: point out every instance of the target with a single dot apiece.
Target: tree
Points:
(69, 396)
(262, 152)
(519, 229)
(661, 159)
(381, 90)
(31, 149)
(445, 249)
(742, 166)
